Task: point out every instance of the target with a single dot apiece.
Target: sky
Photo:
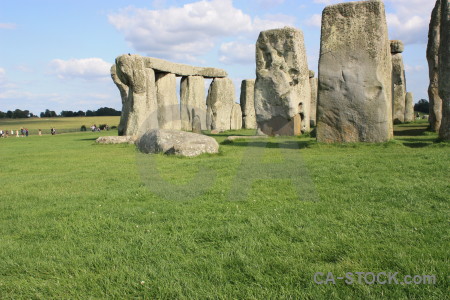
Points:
(57, 54)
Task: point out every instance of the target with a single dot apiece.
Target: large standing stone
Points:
(409, 107)
(137, 88)
(192, 101)
(313, 82)
(236, 117)
(248, 104)
(176, 142)
(435, 101)
(219, 103)
(398, 82)
(444, 70)
(282, 88)
(355, 74)
(168, 107)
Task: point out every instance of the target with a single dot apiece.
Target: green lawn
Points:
(85, 221)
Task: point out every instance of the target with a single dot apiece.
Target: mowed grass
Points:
(61, 124)
(87, 221)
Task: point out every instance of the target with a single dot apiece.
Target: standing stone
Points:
(236, 117)
(398, 82)
(355, 74)
(409, 107)
(248, 104)
(196, 125)
(219, 103)
(282, 88)
(313, 82)
(435, 101)
(192, 101)
(168, 108)
(137, 87)
(444, 70)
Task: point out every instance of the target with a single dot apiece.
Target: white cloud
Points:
(314, 21)
(237, 53)
(8, 26)
(187, 32)
(417, 68)
(87, 68)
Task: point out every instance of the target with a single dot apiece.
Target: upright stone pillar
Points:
(236, 117)
(192, 101)
(168, 107)
(409, 107)
(444, 70)
(137, 87)
(313, 82)
(220, 101)
(282, 89)
(435, 101)
(398, 82)
(355, 74)
(248, 104)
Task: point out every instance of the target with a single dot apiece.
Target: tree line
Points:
(21, 114)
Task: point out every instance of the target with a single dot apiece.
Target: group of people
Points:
(23, 132)
(94, 127)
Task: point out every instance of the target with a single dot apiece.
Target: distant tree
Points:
(53, 114)
(67, 113)
(9, 114)
(19, 114)
(81, 113)
(2, 115)
(422, 106)
(89, 113)
(42, 115)
(107, 111)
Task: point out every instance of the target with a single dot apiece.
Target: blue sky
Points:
(56, 54)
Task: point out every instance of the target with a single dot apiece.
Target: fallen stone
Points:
(220, 101)
(409, 107)
(116, 139)
(282, 88)
(236, 117)
(355, 80)
(176, 142)
(248, 104)
(250, 137)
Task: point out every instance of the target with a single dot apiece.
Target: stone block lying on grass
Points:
(176, 142)
(116, 139)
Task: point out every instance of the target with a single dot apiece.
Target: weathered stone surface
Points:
(355, 80)
(176, 142)
(398, 87)
(219, 103)
(248, 104)
(196, 125)
(236, 117)
(314, 82)
(311, 74)
(116, 139)
(160, 65)
(138, 92)
(435, 101)
(444, 70)
(397, 46)
(192, 101)
(409, 107)
(282, 88)
(168, 107)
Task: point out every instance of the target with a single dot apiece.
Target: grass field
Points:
(62, 125)
(85, 221)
